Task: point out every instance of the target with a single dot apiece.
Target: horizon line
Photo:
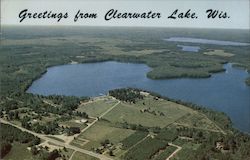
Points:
(122, 26)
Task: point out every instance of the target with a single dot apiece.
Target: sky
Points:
(237, 10)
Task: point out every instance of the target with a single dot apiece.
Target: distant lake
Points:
(189, 48)
(225, 91)
(205, 41)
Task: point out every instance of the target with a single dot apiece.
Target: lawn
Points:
(96, 108)
(132, 113)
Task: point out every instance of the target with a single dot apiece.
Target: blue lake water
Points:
(225, 91)
(189, 48)
(205, 41)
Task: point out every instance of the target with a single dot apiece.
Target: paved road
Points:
(102, 157)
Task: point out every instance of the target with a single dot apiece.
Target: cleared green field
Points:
(133, 139)
(146, 149)
(134, 114)
(81, 156)
(19, 151)
(96, 108)
(217, 52)
(187, 148)
(73, 123)
(197, 120)
(164, 154)
(58, 139)
(100, 132)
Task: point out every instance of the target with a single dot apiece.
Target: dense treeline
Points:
(68, 102)
(217, 146)
(126, 94)
(10, 134)
(42, 104)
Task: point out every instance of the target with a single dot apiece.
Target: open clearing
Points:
(73, 123)
(199, 121)
(97, 107)
(136, 114)
(187, 148)
(99, 132)
(19, 151)
(218, 53)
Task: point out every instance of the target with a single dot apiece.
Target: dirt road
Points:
(174, 153)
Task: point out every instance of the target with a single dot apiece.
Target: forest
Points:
(126, 94)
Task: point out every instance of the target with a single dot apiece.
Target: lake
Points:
(225, 91)
(205, 41)
(189, 48)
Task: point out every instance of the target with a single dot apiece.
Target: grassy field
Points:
(19, 151)
(100, 132)
(96, 108)
(146, 149)
(197, 120)
(187, 148)
(132, 114)
(133, 139)
(73, 123)
(221, 53)
(55, 138)
(165, 153)
(67, 153)
(81, 156)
